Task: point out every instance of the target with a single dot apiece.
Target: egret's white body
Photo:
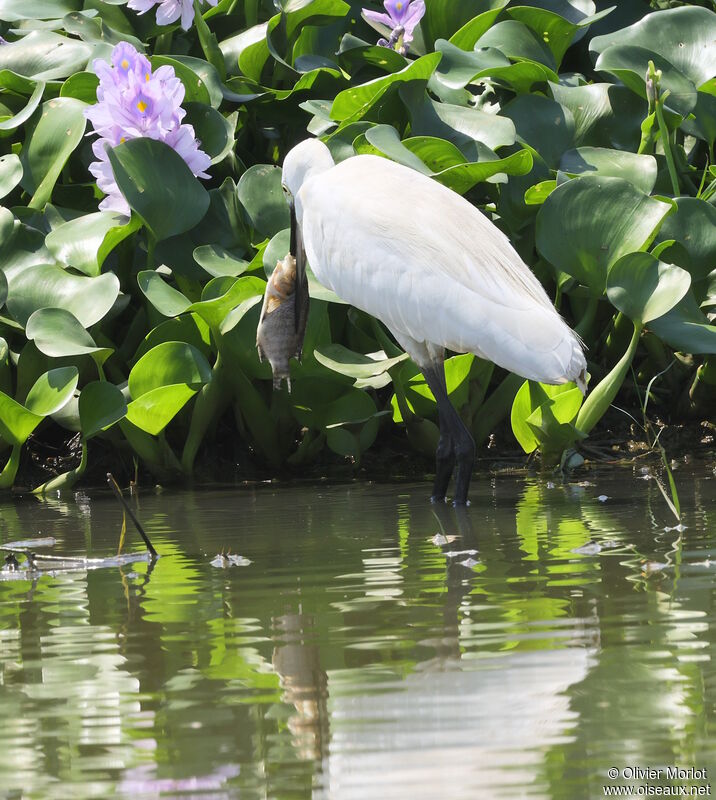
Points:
(427, 263)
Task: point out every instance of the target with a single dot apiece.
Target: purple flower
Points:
(401, 20)
(132, 102)
(169, 10)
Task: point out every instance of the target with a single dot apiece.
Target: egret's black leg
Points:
(460, 447)
(456, 445)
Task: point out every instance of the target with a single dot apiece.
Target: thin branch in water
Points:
(118, 494)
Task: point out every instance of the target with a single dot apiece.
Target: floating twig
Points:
(118, 494)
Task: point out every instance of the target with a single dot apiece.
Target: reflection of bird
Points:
(434, 269)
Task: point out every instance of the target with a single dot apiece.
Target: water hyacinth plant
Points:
(168, 11)
(128, 332)
(400, 19)
(134, 102)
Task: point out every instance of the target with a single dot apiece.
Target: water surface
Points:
(358, 655)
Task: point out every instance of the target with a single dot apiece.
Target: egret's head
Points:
(302, 162)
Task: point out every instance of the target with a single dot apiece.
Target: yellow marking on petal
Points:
(399, 6)
(124, 63)
(146, 78)
(142, 106)
(122, 140)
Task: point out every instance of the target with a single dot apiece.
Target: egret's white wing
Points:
(432, 267)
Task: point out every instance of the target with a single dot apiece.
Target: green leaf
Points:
(604, 115)
(539, 412)
(588, 224)
(686, 328)
(52, 391)
(101, 405)
(11, 11)
(43, 55)
(82, 86)
(84, 243)
(189, 328)
(89, 299)
(57, 333)
(167, 364)
(159, 186)
(644, 288)
(22, 116)
(212, 129)
(542, 124)
(10, 173)
(340, 359)
(680, 41)
(221, 295)
(52, 137)
(260, 193)
(352, 104)
(16, 422)
(165, 298)
(518, 42)
(3, 298)
(444, 17)
(693, 225)
(218, 261)
(155, 409)
(639, 170)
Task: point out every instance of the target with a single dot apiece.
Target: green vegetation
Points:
(586, 135)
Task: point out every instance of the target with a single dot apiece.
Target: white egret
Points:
(433, 269)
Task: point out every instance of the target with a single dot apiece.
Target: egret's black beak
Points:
(301, 291)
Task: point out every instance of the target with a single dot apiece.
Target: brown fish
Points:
(278, 336)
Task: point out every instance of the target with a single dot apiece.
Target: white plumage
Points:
(427, 263)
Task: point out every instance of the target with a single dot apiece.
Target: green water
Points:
(356, 658)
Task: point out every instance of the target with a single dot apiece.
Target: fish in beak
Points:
(282, 324)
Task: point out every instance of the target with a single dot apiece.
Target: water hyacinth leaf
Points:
(443, 17)
(543, 124)
(52, 391)
(639, 170)
(155, 409)
(537, 194)
(159, 186)
(44, 56)
(82, 86)
(276, 250)
(84, 243)
(340, 359)
(464, 127)
(16, 422)
(644, 288)
(218, 261)
(101, 405)
(463, 177)
(189, 328)
(52, 138)
(3, 298)
(10, 11)
(558, 29)
(386, 139)
(247, 52)
(562, 401)
(693, 225)
(351, 104)
(58, 333)
(26, 112)
(467, 36)
(355, 53)
(213, 308)
(686, 328)
(234, 317)
(165, 298)
(212, 129)
(260, 193)
(629, 64)
(684, 37)
(42, 286)
(168, 364)
(604, 115)
(518, 42)
(10, 173)
(586, 225)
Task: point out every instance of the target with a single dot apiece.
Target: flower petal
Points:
(377, 16)
(415, 13)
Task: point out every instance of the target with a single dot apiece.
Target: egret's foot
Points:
(461, 503)
(436, 499)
